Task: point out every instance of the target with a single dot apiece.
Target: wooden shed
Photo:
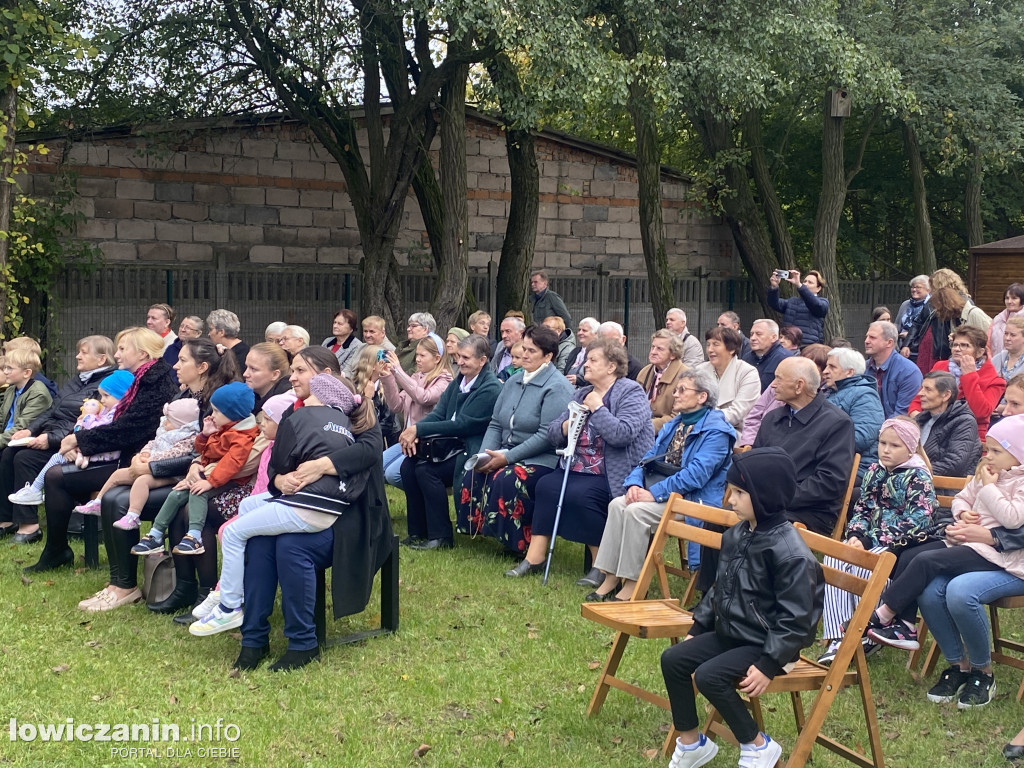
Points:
(993, 266)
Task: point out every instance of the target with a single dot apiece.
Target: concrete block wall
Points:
(269, 194)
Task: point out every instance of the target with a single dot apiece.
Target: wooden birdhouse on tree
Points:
(993, 266)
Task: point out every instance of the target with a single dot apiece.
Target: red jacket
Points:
(982, 389)
(229, 448)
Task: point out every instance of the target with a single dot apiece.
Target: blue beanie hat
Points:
(117, 383)
(234, 400)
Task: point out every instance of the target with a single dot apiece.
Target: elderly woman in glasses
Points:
(421, 325)
(697, 443)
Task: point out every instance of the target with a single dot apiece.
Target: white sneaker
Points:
(693, 755)
(27, 495)
(760, 757)
(206, 607)
(218, 621)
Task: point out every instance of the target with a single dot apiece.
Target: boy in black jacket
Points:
(752, 624)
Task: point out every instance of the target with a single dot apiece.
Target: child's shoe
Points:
(760, 757)
(91, 507)
(693, 755)
(28, 496)
(219, 620)
(128, 522)
(830, 653)
(148, 545)
(949, 686)
(897, 635)
(189, 545)
(979, 690)
(206, 607)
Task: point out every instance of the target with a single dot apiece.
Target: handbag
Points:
(655, 470)
(176, 467)
(158, 577)
(438, 449)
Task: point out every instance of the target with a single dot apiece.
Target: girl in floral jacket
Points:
(896, 505)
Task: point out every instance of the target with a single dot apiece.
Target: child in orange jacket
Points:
(224, 447)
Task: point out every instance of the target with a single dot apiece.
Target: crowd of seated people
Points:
(489, 419)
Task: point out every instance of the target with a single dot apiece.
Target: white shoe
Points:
(27, 496)
(693, 755)
(218, 621)
(206, 607)
(760, 757)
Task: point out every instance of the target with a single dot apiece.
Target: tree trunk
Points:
(924, 245)
(640, 104)
(517, 249)
(830, 209)
(453, 274)
(8, 148)
(773, 213)
(972, 200)
(741, 210)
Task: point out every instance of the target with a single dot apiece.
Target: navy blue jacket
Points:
(766, 365)
(806, 311)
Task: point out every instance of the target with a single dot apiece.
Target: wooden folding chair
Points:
(840, 527)
(808, 675)
(952, 486)
(664, 618)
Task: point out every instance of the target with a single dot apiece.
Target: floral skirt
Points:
(500, 505)
(226, 504)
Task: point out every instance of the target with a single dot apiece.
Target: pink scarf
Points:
(125, 401)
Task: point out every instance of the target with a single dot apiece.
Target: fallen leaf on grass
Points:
(652, 754)
(234, 673)
(92, 644)
(616, 739)
(61, 668)
(48, 582)
(79, 571)
(235, 635)
(25, 580)
(496, 700)
(506, 738)
(594, 665)
(421, 750)
(532, 634)
(664, 727)
(892, 735)
(581, 689)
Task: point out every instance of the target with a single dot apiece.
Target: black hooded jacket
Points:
(770, 589)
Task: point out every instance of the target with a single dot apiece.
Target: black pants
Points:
(717, 666)
(426, 495)
(124, 566)
(67, 486)
(916, 567)
(17, 467)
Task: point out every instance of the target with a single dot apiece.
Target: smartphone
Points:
(782, 274)
(381, 355)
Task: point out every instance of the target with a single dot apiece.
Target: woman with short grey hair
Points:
(420, 326)
(697, 444)
(907, 314)
(224, 329)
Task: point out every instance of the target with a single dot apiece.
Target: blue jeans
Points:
(292, 560)
(955, 612)
(393, 458)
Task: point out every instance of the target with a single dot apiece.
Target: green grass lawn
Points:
(485, 670)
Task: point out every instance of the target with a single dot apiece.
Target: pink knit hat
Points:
(330, 390)
(182, 412)
(1009, 433)
(275, 406)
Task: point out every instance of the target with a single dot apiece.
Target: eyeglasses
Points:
(8, 369)
(961, 346)
(680, 390)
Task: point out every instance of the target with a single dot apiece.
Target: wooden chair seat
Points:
(643, 619)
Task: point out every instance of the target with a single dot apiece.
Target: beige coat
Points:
(739, 387)
(661, 406)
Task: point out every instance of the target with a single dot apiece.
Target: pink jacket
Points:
(262, 478)
(415, 400)
(995, 331)
(998, 504)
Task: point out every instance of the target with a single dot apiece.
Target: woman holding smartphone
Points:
(806, 310)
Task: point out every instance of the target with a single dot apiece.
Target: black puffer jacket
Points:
(770, 588)
(137, 425)
(59, 419)
(953, 446)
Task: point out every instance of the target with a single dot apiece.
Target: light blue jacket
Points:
(857, 397)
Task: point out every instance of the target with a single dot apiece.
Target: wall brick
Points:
(297, 255)
(492, 208)
(314, 236)
(156, 211)
(593, 245)
(605, 172)
(568, 244)
(345, 237)
(606, 229)
(232, 214)
(296, 217)
(190, 211)
(211, 233)
(132, 189)
(570, 211)
(490, 242)
(132, 229)
(194, 252)
(179, 192)
(256, 148)
(332, 255)
(241, 166)
(499, 165)
(156, 252)
(482, 224)
(173, 230)
(622, 213)
(199, 163)
(268, 167)
(248, 195)
(316, 198)
(90, 187)
(307, 170)
(257, 214)
(583, 228)
(602, 188)
(293, 150)
(245, 234)
(477, 164)
(113, 209)
(211, 193)
(616, 245)
(595, 212)
(266, 254)
(97, 229)
(282, 197)
(117, 251)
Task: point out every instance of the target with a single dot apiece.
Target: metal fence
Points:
(114, 297)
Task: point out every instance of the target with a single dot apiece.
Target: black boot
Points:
(48, 561)
(184, 595)
(187, 618)
(295, 660)
(250, 658)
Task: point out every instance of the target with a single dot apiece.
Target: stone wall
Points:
(263, 191)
